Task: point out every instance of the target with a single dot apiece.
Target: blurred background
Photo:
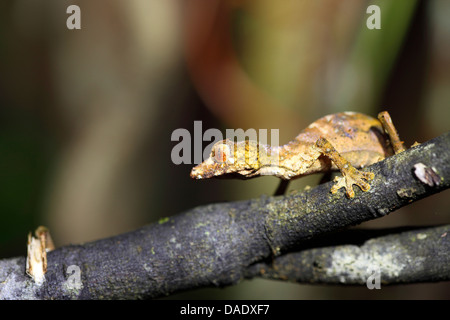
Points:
(86, 116)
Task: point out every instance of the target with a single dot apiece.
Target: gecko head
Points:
(219, 162)
(224, 161)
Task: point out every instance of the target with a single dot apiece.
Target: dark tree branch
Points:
(215, 245)
(409, 257)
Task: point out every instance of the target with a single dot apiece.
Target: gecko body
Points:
(343, 141)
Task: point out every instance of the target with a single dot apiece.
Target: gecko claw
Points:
(350, 178)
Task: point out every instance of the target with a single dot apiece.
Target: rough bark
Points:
(421, 255)
(219, 244)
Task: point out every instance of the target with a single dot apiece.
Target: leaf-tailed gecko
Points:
(342, 141)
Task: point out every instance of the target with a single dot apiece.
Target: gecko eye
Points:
(221, 153)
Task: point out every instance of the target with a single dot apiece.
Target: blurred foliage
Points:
(372, 57)
(26, 158)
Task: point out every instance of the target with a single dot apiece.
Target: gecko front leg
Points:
(350, 175)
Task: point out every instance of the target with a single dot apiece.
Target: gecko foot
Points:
(350, 177)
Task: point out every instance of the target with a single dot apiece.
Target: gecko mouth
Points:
(216, 171)
(198, 173)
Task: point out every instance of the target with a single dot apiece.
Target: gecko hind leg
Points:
(389, 128)
(326, 177)
(350, 175)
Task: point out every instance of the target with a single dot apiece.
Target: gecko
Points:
(345, 141)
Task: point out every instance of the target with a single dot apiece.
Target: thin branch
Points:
(421, 255)
(214, 245)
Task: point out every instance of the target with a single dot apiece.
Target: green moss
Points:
(163, 220)
(201, 224)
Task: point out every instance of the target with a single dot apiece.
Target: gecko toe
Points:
(354, 177)
(349, 192)
(363, 185)
(367, 175)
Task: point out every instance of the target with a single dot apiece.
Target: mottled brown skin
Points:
(342, 141)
